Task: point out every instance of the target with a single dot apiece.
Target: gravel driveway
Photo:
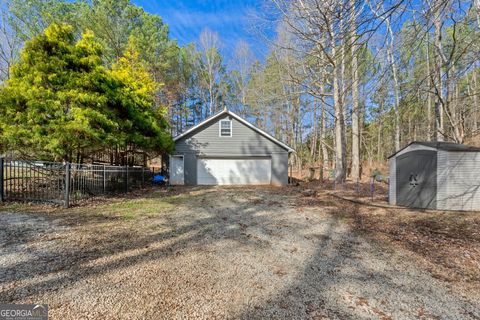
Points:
(250, 253)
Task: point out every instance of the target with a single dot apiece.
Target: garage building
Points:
(435, 175)
(228, 150)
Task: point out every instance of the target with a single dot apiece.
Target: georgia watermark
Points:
(23, 312)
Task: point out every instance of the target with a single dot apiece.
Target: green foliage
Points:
(30, 17)
(61, 101)
(141, 124)
(53, 102)
(181, 74)
(112, 22)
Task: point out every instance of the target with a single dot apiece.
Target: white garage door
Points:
(233, 171)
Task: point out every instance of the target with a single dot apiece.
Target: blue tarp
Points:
(158, 178)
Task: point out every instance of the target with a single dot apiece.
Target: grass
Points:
(139, 208)
(129, 208)
(128, 216)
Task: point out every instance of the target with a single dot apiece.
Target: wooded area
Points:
(345, 83)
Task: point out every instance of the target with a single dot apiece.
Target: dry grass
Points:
(448, 240)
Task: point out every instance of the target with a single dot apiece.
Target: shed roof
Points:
(241, 120)
(445, 146)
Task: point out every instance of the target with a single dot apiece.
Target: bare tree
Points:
(244, 59)
(319, 27)
(437, 13)
(209, 44)
(379, 11)
(355, 98)
(10, 43)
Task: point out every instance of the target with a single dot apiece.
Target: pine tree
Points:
(142, 124)
(53, 106)
(61, 103)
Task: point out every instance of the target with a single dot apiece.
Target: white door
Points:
(176, 170)
(233, 171)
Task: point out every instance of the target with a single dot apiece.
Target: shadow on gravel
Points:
(337, 268)
(63, 266)
(344, 285)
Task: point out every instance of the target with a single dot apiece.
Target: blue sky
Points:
(233, 20)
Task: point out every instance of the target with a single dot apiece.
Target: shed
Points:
(226, 149)
(435, 175)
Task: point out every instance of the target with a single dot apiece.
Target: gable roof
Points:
(444, 146)
(239, 119)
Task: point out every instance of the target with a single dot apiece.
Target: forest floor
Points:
(303, 252)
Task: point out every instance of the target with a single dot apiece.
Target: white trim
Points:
(248, 124)
(220, 128)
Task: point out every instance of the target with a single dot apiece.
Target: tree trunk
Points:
(475, 98)
(340, 170)
(314, 138)
(477, 9)
(429, 94)
(342, 91)
(323, 129)
(439, 102)
(211, 108)
(355, 109)
(396, 85)
(380, 143)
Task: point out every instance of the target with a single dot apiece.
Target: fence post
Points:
(126, 178)
(67, 185)
(104, 181)
(2, 196)
(143, 177)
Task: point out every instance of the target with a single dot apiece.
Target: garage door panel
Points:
(212, 171)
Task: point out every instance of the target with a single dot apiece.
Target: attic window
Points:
(225, 128)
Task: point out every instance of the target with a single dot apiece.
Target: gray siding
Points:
(280, 169)
(414, 147)
(244, 142)
(392, 182)
(416, 179)
(458, 180)
(392, 188)
(190, 168)
(442, 182)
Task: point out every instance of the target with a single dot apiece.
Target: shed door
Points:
(214, 171)
(177, 175)
(416, 174)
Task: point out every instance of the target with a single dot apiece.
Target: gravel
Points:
(216, 253)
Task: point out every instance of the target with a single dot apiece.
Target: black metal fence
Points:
(66, 183)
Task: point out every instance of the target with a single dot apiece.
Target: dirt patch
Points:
(448, 240)
(250, 253)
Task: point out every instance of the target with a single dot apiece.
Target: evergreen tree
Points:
(54, 103)
(61, 103)
(142, 124)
